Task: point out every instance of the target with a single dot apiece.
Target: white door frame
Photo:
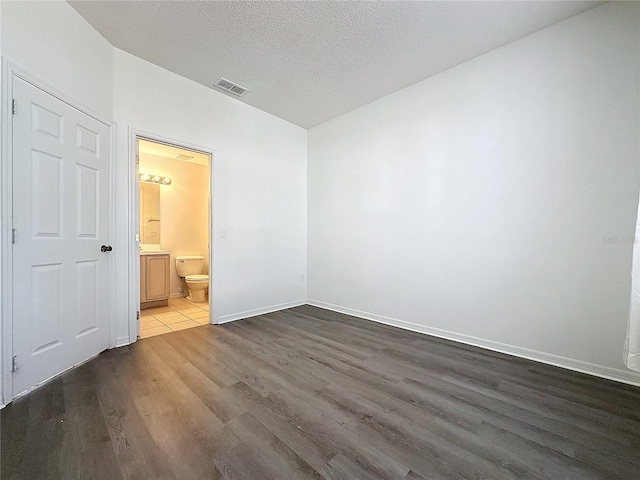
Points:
(9, 70)
(134, 224)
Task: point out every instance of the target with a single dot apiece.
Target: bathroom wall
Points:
(494, 203)
(184, 210)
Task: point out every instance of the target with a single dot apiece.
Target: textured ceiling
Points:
(308, 62)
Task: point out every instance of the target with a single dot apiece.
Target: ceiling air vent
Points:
(182, 156)
(231, 87)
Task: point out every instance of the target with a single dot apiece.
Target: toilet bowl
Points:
(198, 285)
(190, 268)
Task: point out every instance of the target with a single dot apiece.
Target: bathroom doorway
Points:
(173, 212)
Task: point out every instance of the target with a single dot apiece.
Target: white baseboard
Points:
(259, 311)
(619, 375)
(633, 361)
(122, 341)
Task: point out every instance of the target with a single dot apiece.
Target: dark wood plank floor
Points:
(308, 393)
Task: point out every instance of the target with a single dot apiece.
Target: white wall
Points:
(51, 41)
(474, 204)
(184, 211)
(259, 186)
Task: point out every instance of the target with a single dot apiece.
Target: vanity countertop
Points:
(154, 252)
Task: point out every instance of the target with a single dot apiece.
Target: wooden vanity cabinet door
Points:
(157, 277)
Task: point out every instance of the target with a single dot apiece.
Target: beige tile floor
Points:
(180, 314)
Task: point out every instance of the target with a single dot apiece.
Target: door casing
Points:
(134, 135)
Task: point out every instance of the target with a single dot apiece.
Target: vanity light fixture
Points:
(145, 177)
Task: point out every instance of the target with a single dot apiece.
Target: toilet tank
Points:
(189, 265)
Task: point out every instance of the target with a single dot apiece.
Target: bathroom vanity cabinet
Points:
(154, 279)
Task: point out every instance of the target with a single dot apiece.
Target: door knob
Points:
(106, 248)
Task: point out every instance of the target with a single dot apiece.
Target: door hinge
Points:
(14, 364)
(13, 236)
(14, 106)
(138, 315)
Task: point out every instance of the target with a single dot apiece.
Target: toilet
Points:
(190, 268)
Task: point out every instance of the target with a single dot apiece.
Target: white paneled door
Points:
(61, 275)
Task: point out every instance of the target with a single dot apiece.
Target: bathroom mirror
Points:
(149, 213)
